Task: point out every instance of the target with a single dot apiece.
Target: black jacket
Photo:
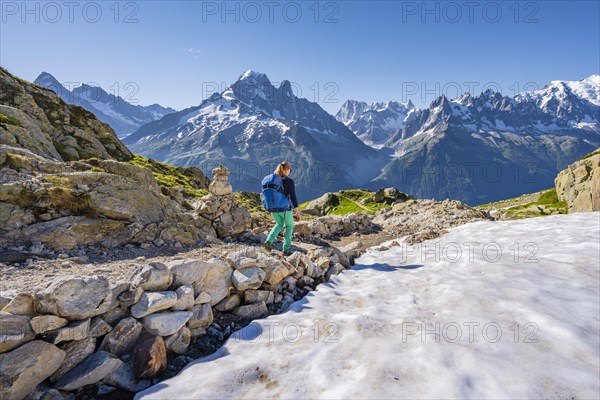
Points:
(289, 190)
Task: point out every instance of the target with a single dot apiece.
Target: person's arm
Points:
(291, 191)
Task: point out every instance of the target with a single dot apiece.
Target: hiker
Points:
(279, 198)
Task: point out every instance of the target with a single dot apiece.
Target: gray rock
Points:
(14, 331)
(123, 378)
(216, 282)
(22, 304)
(248, 278)
(93, 369)
(99, 327)
(23, 369)
(179, 342)
(187, 272)
(185, 298)
(195, 332)
(43, 391)
(152, 277)
(252, 311)
(275, 270)
(75, 352)
(122, 337)
(202, 298)
(45, 323)
(165, 324)
(256, 296)
(74, 331)
(229, 303)
(75, 297)
(334, 270)
(151, 302)
(129, 297)
(202, 316)
(113, 316)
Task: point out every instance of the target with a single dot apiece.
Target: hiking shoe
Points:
(287, 252)
(268, 246)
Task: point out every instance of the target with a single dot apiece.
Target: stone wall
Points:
(579, 184)
(77, 331)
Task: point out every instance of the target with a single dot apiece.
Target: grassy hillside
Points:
(353, 200)
(531, 205)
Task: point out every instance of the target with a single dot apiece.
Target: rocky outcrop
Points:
(335, 225)
(41, 122)
(579, 184)
(419, 220)
(96, 202)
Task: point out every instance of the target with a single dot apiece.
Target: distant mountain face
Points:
(251, 127)
(122, 116)
(489, 147)
(375, 123)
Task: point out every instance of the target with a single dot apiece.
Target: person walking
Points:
(279, 198)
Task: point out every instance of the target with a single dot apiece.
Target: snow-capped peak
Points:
(253, 76)
(588, 88)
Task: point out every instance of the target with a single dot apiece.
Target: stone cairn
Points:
(220, 185)
(227, 216)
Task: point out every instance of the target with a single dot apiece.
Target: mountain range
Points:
(121, 115)
(252, 126)
(473, 148)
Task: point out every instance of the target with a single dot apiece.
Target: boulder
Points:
(334, 270)
(229, 303)
(578, 185)
(122, 337)
(114, 315)
(248, 278)
(99, 327)
(91, 370)
(322, 205)
(275, 270)
(23, 369)
(74, 331)
(216, 282)
(352, 250)
(187, 272)
(149, 358)
(22, 304)
(185, 298)
(151, 302)
(256, 296)
(152, 277)
(45, 323)
(202, 298)
(43, 391)
(252, 311)
(14, 331)
(74, 297)
(130, 296)
(124, 378)
(75, 352)
(179, 342)
(165, 324)
(202, 316)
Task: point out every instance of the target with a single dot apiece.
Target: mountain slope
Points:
(484, 148)
(374, 124)
(41, 122)
(122, 116)
(252, 126)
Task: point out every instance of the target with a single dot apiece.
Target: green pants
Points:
(282, 219)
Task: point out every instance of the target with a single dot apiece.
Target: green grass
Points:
(348, 203)
(7, 120)
(173, 177)
(547, 200)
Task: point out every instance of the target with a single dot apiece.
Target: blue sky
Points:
(175, 52)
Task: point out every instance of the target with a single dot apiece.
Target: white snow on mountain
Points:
(490, 310)
(375, 123)
(588, 88)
